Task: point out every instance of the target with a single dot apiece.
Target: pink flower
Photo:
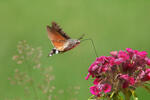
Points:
(148, 62)
(94, 90)
(125, 77)
(87, 77)
(147, 70)
(124, 68)
(95, 67)
(135, 51)
(123, 55)
(131, 80)
(96, 81)
(129, 50)
(141, 74)
(146, 77)
(118, 61)
(142, 53)
(114, 53)
(128, 66)
(106, 88)
(128, 80)
(101, 59)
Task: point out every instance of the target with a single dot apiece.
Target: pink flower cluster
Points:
(121, 70)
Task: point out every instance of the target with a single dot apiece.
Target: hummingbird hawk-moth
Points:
(60, 40)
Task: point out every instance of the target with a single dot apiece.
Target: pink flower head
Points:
(106, 88)
(128, 66)
(146, 77)
(94, 67)
(118, 61)
(128, 79)
(148, 62)
(147, 70)
(125, 77)
(94, 90)
(131, 80)
(96, 81)
(142, 53)
(87, 77)
(129, 50)
(102, 64)
(124, 68)
(114, 53)
(101, 59)
(123, 55)
(141, 74)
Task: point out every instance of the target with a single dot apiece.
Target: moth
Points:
(60, 40)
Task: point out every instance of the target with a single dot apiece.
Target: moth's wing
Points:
(57, 36)
(56, 27)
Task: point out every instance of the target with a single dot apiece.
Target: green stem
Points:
(116, 96)
(127, 97)
(127, 94)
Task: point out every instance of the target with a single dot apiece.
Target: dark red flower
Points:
(125, 68)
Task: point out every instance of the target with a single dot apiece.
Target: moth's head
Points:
(74, 41)
(77, 41)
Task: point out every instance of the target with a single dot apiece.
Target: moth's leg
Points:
(53, 51)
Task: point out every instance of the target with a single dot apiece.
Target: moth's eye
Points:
(78, 41)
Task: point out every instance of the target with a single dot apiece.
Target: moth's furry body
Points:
(71, 43)
(68, 45)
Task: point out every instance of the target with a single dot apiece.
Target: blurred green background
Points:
(112, 24)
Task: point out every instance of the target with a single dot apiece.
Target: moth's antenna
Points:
(92, 45)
